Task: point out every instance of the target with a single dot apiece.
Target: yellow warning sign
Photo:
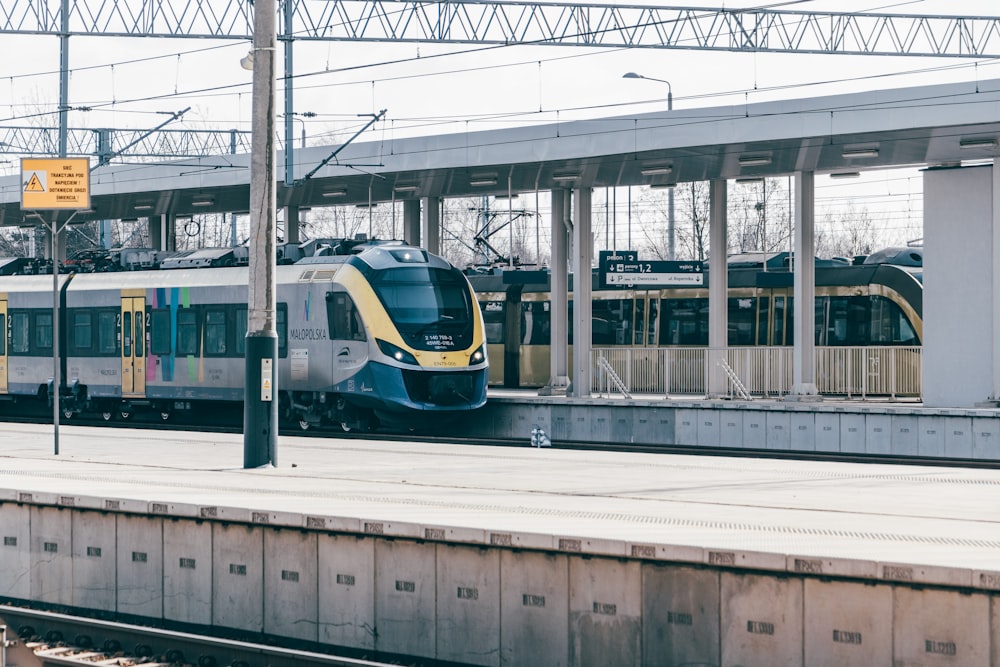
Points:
(53, 183)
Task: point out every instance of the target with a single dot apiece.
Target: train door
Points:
(3, 346)
(133, 337)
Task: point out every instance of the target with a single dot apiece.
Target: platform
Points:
(509, 556)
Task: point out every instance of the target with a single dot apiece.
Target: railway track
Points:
(34, 638)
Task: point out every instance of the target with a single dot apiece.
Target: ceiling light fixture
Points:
(977, 143)
(406, 188)
(568, 176)
(754, 160)
(845, 174)
(341, 192)
(859, 152)
(482, 182)
(751, 179)
(662, 186)
(202, 202)
(143, 207)
(656, 171)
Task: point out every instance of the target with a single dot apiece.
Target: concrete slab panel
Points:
(51, 555)
(589, 422)
(878, 430)
(986, 438)
(852, 432)
(680, 612)
(187, 571)
(140, 565)
(561, 422)
(405, 597)
(94, 567)
(238, 576)
(530, 416)
(290, 584)
(937, 627)
(15, 551)
(995, 630)
(847, 623)
(605, 612)
(827, 429)
(930, 441)
(778, 426)
(686, 428)
(761, 620)
(958, 437)
(468, 605)
(534, 609)
(347, 591)
(905, 434)
(655, 426)
(802, 431)
(731, 429)
(708, 423)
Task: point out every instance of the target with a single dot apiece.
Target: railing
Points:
(763, 371)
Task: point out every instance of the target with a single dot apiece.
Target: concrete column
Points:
(431, 227)
(411, 221)
(583, 250)
(804, 286)
(168, 233)
(718, 284)
(156, 231)
(291, 224)
(558, 287)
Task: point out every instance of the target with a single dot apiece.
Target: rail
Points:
(852, 372)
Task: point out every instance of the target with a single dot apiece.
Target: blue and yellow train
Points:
(371, 334)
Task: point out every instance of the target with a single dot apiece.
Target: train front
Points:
(427, 352)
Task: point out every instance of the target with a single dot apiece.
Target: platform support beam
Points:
(431, 225)
(292, 221)
(718, 302)
(583, 251)
(560, 224)
(804, 285)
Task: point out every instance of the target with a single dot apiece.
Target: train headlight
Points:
(396, 352)
(478, 357)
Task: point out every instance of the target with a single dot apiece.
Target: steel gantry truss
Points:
(503, 22)
(139, 143)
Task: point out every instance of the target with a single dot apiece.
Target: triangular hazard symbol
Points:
(267, 384)
(34, 184)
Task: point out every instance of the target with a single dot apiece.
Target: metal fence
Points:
(854, 372)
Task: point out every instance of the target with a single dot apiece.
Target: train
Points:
(865, 302)
(371, 334)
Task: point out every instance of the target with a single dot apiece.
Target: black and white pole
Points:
(260, 413)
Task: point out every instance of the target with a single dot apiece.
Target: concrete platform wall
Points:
(495, 599)
(819, 427)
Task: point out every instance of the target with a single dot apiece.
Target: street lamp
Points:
(670, 193)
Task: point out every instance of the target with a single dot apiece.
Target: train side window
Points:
(20, 325)
(83, 332)
(3, 338)
(187, 332)
(763, 308)
(493, 321)
(107, 332)
(684, 322)
(140, 334)
(126, 334)
(281, 324)
(43, 332)
(215, 332)
(612, 322)
(889, 325)
(742, 317)
(159, 332)
(536, 323)
(240, 331)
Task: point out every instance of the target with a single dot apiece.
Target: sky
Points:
(430, 89)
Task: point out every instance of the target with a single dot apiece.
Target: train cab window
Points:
(107, 334)
(159, 332)
(43, 332)
(215, 332)
(343, 318)
(889, 324)
(82, 326)
(187, 332)
(20, 326)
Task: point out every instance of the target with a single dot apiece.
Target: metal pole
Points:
(56, 352)
(260, 415)
(671, 234)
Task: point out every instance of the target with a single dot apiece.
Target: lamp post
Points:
(671, 254)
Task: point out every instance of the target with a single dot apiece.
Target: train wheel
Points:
(164, 416)
(345, 427)
(107, 415)
(67, 414)
(304, 425)
(125, 414)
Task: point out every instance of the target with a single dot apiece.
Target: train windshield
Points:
(432, 307)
